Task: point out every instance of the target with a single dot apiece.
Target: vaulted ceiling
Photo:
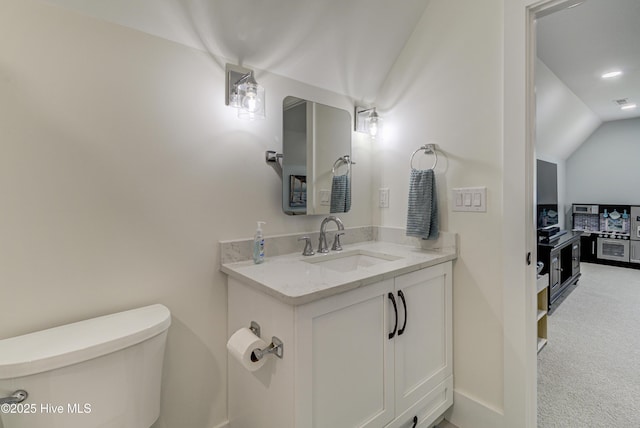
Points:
(350, 46)
(575, 46)
(343, 46)
(581, 43)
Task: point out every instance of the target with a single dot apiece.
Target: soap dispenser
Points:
(258, 244)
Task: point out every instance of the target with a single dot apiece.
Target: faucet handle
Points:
(308, 248)
(336, 242)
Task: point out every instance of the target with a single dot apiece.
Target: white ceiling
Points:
(349, 46)
(343, 46)
(580, 44)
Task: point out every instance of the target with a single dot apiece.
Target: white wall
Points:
(446, 87)
(121, 202)
(605, 168)
(121, 169)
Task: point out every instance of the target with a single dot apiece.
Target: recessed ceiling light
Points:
(611, 74)
(628, 107)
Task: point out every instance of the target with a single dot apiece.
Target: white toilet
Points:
(100, 373)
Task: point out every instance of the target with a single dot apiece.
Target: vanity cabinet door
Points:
(344, 361)
(423, 350)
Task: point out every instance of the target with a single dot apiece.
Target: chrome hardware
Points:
(322, 243)
(308, 248)
(274, 160)
(428, 149)
(276, 348)
(255, 328)
(336, 242)
(346, 159)
(17, 397)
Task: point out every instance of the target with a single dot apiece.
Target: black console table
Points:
(561, 258)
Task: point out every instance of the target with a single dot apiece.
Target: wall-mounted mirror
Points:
(316, 163)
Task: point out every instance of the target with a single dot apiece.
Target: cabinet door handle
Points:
(593, 248)
(404, 304)
(395, 309)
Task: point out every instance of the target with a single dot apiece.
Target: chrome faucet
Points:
(308, 249)
(322, 244)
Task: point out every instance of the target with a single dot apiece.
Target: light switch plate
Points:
(473, 199)
(383, 197)
(325, 197)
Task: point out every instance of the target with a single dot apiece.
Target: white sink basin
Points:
(351, 260)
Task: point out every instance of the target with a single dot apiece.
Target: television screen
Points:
(547, 182)
(547, 193)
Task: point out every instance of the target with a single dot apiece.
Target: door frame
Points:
(519, 287)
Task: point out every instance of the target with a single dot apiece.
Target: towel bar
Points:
(346, 159)
(428, 149)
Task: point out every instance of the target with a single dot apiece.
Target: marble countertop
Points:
(293, 280)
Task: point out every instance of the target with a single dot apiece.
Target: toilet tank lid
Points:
(72, 343)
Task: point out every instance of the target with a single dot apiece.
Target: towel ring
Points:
(428, 148)
(342, 159)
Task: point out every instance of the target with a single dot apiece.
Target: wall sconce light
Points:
(243, 92)
(367, 121)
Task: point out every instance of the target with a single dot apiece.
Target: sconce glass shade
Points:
(367, 121)
(234, 98)
(244, 93)
(252, 101)
(252, 96)
(373, 124)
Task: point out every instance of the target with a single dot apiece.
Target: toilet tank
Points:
(103, 372)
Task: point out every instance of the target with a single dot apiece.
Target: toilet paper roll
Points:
(241, 344)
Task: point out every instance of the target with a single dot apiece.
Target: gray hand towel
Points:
(422, 213)
(340, 194)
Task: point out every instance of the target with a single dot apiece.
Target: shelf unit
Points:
(542, 289)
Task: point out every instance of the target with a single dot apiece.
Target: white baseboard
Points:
(465, 413)
(469, 413)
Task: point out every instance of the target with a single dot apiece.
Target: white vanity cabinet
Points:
(352, 359)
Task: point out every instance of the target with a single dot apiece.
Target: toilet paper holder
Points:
(276, 347)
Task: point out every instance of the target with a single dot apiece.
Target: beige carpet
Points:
(589, 372)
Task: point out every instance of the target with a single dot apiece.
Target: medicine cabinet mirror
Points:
(316, 162)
